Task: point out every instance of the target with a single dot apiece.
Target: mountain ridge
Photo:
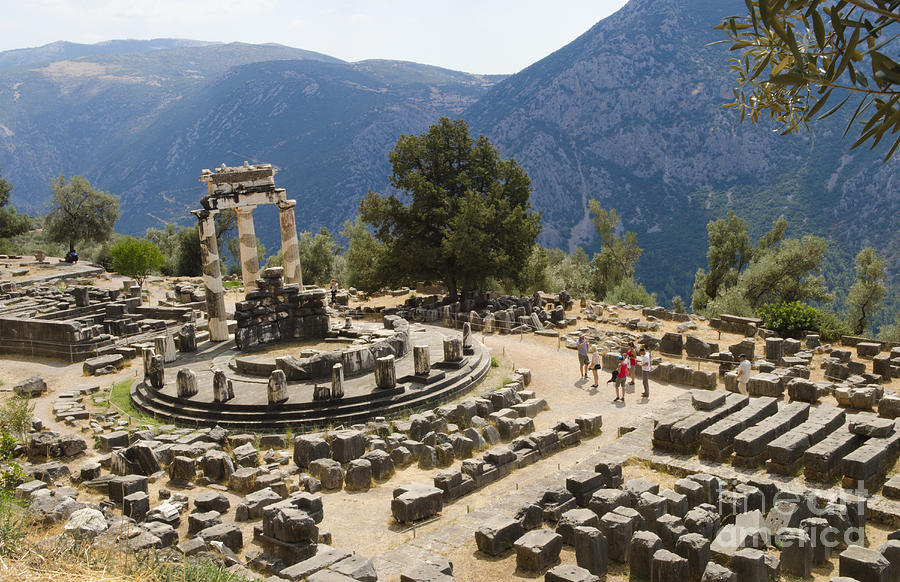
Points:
(629, 113)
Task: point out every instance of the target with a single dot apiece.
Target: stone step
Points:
(306, 414)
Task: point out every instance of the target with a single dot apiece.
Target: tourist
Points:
(621, 376)
(334, 289)
(583, 361)
(632, 361)
(595, 365)
(645, 372)
(743, 373)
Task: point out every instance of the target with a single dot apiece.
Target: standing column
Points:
(247, 240)
(212, 277)
(290, 247)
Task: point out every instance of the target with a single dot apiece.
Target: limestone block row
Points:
(717, 441)
(786, 452)
(681, 433)
(750, 444)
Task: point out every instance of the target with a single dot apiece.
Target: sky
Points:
(476, 36)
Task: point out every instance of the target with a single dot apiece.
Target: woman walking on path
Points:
(595, 365)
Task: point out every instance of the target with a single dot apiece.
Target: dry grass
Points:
(39, 558)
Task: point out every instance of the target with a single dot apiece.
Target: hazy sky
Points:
(477, 36)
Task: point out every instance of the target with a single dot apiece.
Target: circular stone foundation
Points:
(362, 401)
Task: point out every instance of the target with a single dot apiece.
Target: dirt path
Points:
(353, 517)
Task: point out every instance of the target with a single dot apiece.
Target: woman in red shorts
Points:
(631, 354)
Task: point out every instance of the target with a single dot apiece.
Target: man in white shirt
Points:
(743, 373)
(645, 372)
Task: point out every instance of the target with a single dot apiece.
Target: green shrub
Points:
(136, 258)
(631, 292)
(12, 523)
(830, 326)
(732, 301)
(788, 318)
(15, 416)
(891, 332)
(494, 362)
(8, 444)
(11, 476)
(678, 305)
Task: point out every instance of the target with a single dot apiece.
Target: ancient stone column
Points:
(157, 373)
(502, 322)
(488, 323)
(82, 296)
(774, 349)
(277, 388)
(223, 391)
(421, 360)
(165, 347)
(467, 337)
(147, 354)
(187, 338)
(212, 277)
(337, 381)
(385, 373)
(453, 349)
(446, 315)
(321, 392)
(247, 240)
(186, 383)
(290, 246)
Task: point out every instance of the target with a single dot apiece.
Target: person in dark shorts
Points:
(621, 377)
(583, 360)
(595, 365)
(645, 372)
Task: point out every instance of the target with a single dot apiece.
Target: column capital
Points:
(245, 209)
(286, 204)
(204, 214)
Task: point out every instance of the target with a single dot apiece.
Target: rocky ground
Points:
(362, 521)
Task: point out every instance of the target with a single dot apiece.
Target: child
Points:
(621, 376)
(595, 365)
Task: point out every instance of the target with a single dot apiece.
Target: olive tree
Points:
(794, 57)
(78, 212)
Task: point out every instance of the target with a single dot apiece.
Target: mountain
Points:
(142, 118)
(630, 113)
(73, 115)
(327, 126)
(63, 51)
